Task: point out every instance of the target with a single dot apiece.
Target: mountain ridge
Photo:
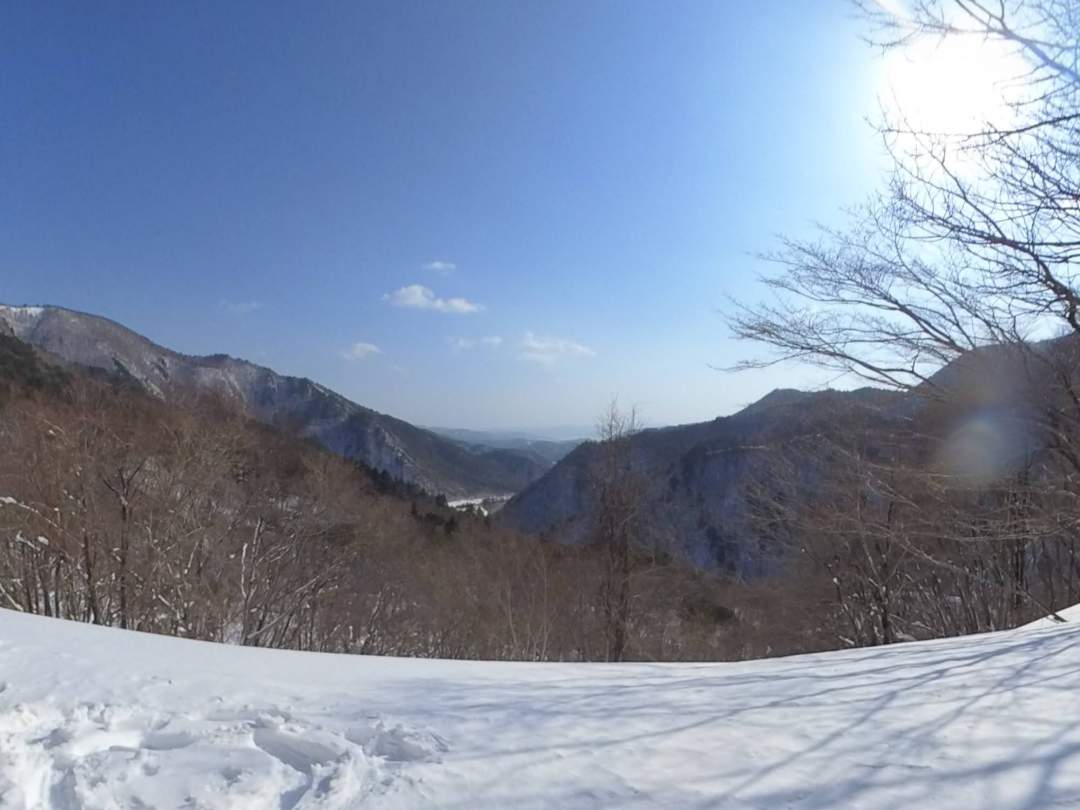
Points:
(384, 442)
(696, 474)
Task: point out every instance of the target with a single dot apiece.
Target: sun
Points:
(952, 85)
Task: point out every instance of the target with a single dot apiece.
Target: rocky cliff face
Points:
(417, 456)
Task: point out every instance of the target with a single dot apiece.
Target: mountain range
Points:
(696, 476)
(435, 463)
(700, 480)
(550, 450)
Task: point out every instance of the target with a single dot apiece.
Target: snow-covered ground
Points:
(99, 718)
(1070, 614)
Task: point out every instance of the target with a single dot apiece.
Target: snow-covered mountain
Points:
(409, 453)
(98, 718)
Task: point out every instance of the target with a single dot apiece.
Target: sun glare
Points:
(951, 85)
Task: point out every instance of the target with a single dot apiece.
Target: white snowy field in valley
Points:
(102, 718)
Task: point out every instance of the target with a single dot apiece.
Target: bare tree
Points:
(972, 244)
(619, 489)
(967, 259)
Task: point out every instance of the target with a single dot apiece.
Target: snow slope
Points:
(100, 718)
(1069, 614)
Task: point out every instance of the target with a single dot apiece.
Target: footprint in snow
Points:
(397, 744)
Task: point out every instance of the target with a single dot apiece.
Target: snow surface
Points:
(102, 718)
(1070, 614)
(21, 319)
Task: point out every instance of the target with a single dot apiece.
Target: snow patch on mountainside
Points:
(99, 718)
(21, 319)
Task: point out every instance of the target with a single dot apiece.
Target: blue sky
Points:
(476, 214)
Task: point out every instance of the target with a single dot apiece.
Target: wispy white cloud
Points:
(443, 268)
(417, 296)
(464, 344)
(549, 350)
(241, 307)
(361, 351)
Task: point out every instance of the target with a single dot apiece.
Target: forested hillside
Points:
(934, 511)
(188, 518)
